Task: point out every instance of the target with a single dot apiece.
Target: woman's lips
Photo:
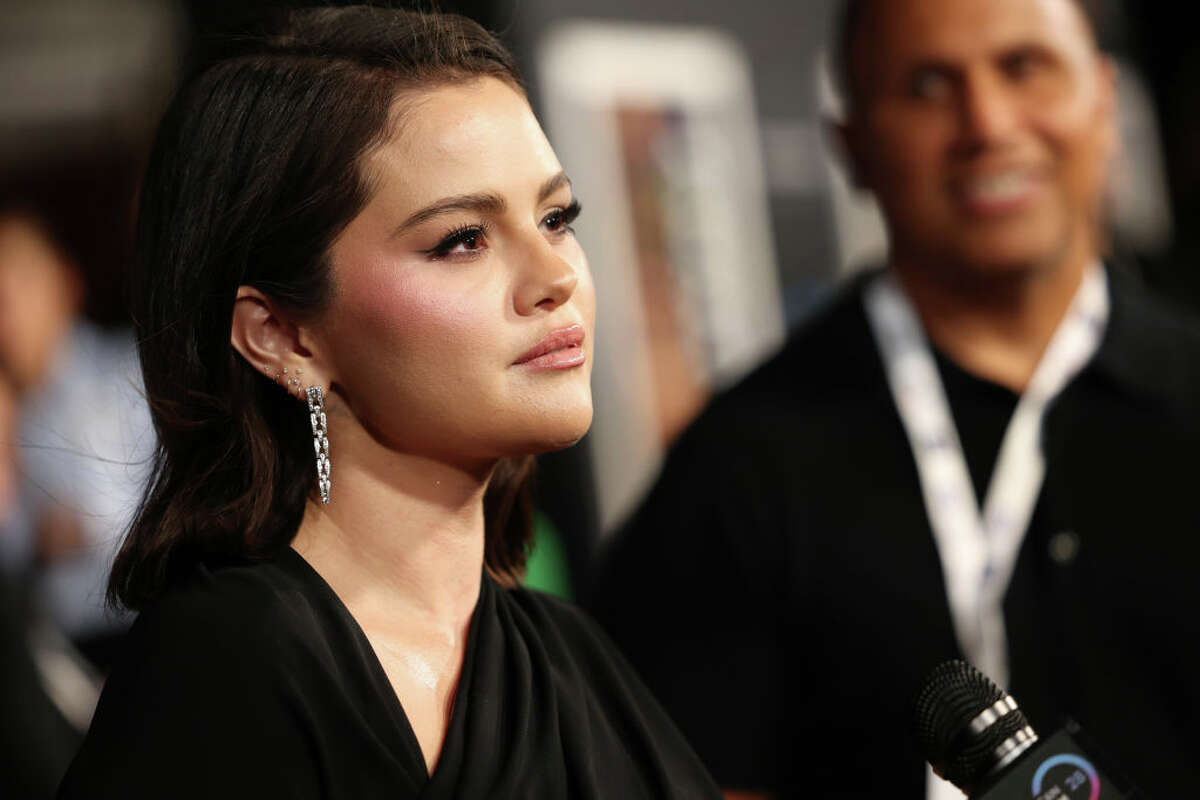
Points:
(562, 348)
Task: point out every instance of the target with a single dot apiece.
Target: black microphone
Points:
(975, 735)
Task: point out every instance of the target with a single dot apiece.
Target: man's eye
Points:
(1023, 64)
(930, 84)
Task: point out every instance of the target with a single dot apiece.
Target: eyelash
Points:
(467, 233)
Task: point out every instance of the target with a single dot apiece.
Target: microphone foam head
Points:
(967, 726)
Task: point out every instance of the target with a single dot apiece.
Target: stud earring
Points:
(316, 416)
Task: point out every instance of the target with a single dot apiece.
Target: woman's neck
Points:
(401, 532)
(994, 326)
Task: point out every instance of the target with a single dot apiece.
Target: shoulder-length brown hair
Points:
(255, 170)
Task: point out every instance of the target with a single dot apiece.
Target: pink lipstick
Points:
(561, 348)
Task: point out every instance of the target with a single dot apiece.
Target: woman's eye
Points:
(559, 220)
(464, 240)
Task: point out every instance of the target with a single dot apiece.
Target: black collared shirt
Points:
(781, 593)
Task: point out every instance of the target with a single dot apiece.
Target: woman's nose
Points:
(547, 280)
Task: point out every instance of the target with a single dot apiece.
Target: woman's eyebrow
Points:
(552, 185)
(485, 203)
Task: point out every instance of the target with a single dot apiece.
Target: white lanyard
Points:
(979, 551)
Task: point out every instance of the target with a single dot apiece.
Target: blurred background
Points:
(716, 217)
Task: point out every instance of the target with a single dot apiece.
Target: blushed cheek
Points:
(395, 311)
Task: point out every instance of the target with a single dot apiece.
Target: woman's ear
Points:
(271, 342)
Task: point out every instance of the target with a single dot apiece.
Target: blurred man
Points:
(84, 435)
(36, 740)
(984, 451)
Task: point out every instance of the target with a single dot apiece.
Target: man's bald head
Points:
(856, 15)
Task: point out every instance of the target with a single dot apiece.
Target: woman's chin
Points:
(557, 433)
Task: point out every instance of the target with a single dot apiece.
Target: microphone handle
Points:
(1064, 766)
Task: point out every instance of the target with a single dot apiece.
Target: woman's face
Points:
(456, 275)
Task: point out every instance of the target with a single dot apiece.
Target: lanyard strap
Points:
(978, 551)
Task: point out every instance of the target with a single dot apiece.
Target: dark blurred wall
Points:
(1165, 44)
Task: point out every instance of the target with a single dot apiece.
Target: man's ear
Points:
(271, 342)
(844, 136)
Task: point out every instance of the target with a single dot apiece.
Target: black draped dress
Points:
(253, 681)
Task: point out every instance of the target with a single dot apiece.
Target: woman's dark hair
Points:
(257, 167)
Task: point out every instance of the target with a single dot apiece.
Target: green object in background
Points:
(546, 569)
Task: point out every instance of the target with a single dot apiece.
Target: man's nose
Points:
(988, 111)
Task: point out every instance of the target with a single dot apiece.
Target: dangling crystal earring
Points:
(316, 415)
